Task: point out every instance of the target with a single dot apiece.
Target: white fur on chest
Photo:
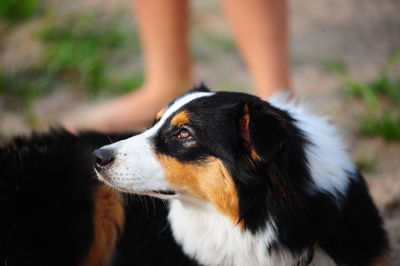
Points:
(212, 239)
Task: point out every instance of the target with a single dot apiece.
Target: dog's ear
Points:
(201, 87)
(263, 129)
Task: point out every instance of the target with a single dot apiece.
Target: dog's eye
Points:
(184, 134)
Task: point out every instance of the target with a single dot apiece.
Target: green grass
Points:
(25, 86)
(381, 98)
(366, 165)
(127, 84)
(384, 87)
(18, 10)
(80, 52)
(386, 125)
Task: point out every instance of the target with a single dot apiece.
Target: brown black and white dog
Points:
(250, 183)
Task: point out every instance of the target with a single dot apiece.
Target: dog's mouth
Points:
(163, 194)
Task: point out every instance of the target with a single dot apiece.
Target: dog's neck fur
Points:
(212, 239)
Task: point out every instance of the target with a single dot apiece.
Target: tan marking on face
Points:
(180, 119)
(381, 260)
(208, 181)
(160, 113)
(244, 128)
(255, 156)
(108, 221)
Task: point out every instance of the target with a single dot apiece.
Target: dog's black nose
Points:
(103, 157)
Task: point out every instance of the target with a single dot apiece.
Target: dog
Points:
(249, 182)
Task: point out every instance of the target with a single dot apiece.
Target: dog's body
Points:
(250, 183)
(246, 183)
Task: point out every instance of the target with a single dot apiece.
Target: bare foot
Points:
(131, 112)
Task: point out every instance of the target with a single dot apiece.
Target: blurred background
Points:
(56, 56)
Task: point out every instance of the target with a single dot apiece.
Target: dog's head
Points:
(232, 150)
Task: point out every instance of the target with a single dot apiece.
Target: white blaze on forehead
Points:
(173, 108)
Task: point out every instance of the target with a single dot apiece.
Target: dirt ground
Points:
(360, 34)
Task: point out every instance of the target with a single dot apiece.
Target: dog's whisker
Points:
(108, 137)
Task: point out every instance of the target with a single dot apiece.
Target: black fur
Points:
(147, 239)
(355, 235)
(46, 207)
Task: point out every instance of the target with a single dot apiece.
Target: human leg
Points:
(260, 30)
(163, 27)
